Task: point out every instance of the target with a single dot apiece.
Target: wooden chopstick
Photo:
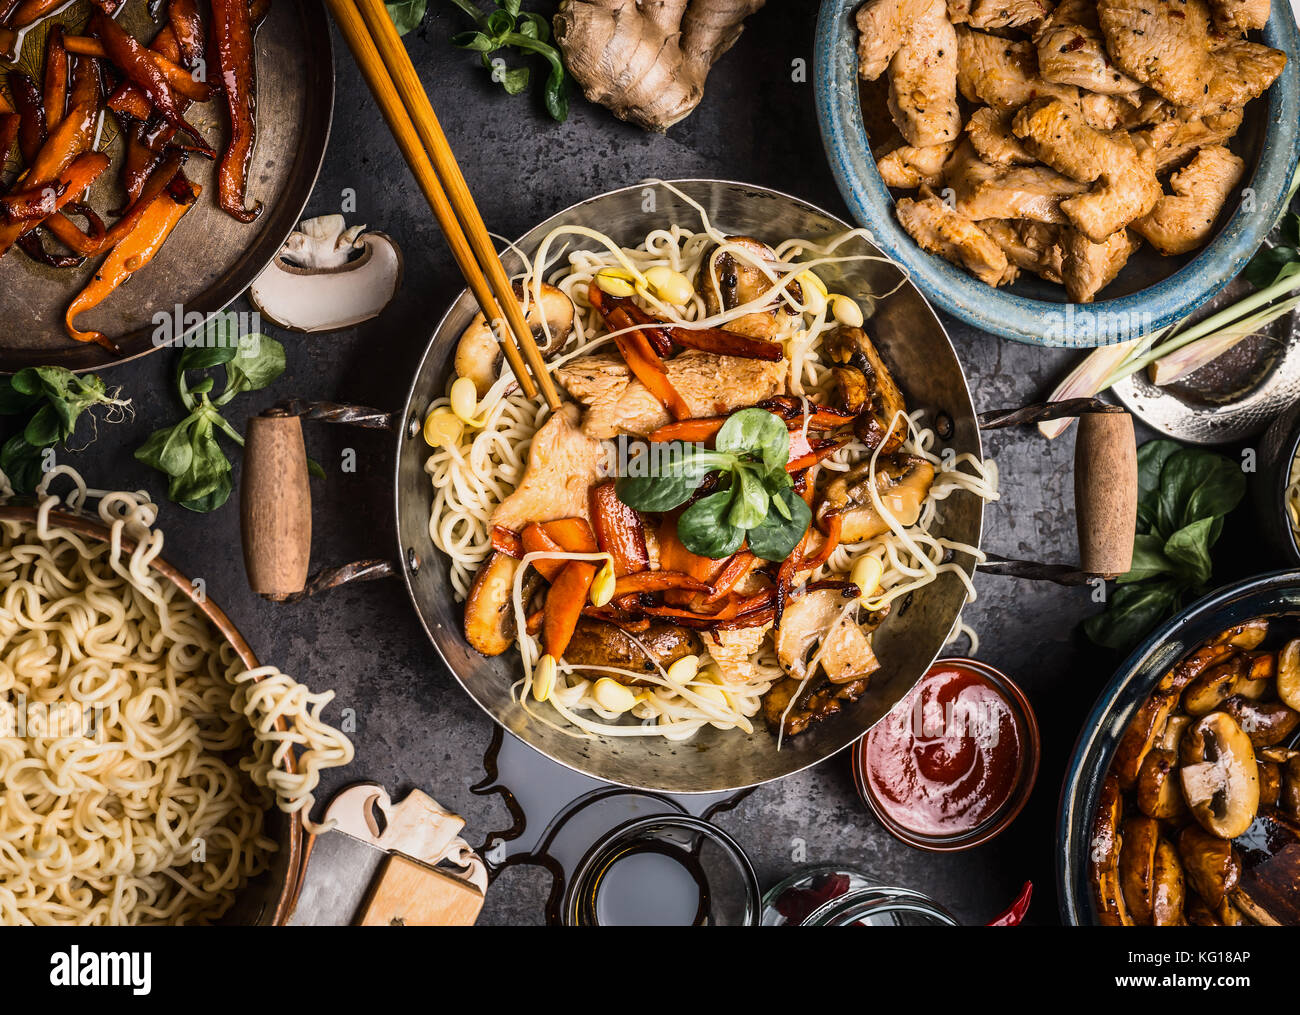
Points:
(435, 168)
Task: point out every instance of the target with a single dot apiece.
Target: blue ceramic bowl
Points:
(1264, 596)
(1150, 293)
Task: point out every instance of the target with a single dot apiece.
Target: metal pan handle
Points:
(1105, 490)
(275, 502)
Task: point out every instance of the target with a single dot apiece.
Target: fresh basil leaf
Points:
(1190, 548)
(704, 530)
(1151, 458)
(749, 507)
(1149, 560)
(44, 428)
(655, 493)
(776, 537)
(259, 360)
(755, 432)
(1133, 612)
(13, 401)
(1196, 484)
(406, 14)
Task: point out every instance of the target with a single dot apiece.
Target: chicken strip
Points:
(1170, 141)
(1241, 71)
(997, 14)
(907, 167)
(1182, 220)
(882, 28)
(1125, 184)
(990, 133)
(1071, 51)
(923, 80)
(1002, 73)
(563, 465)
(982, 191)
(941, 230)
(1089, 267)
(1239, 15)
(733, 651)
(1030, 246)
(617, 403)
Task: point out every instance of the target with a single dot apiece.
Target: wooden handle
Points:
(1106, 491)
(410, 894)
(275, 506)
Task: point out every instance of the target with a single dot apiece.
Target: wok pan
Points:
(267, 900)
(277, 526)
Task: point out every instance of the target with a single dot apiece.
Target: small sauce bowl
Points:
(954, 762)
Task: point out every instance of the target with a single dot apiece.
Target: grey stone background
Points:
(417, 728)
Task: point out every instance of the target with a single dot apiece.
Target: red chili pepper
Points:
(233, 37)
(1014, 914)
(714, 340)
(619, 531)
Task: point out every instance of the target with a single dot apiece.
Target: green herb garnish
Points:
(1183, 496)
(48, 402)
(755, 500)
(508, 27)
(189, 452)
(406, 14)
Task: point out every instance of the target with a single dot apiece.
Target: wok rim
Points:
(409, 420)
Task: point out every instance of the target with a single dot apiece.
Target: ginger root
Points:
(646, 60)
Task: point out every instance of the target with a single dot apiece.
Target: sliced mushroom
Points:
(1219, 775)
(1107, 844)
(1290, 797)
(596, 643)
(1137, 863)
(1260, 681)
(866, 388)
(902, 482)
(1194, 665)
(1288, 673)
(1266, 722)
(479, 353)
(328, 276)
(1270, 782)
(1159, 794)
(1199, 914)
(489, 611)
(1175, 727)
(1245, 636)
(1169, 894)
(729, 282)
(1141, 735)
(811, 626)
(1211, 688)
(1210, 863)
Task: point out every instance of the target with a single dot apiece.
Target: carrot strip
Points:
(56, 78)
(178, 79)
(817, 452)
(656, 581)
(694, 431)
(574, 534)
(639, 354)
(535, 540)
(564, 603)
(619, 531)
(507, 541)
(739, 566)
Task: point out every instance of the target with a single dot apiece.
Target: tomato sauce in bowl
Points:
(953, 763)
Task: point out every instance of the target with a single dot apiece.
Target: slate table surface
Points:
(416, 728)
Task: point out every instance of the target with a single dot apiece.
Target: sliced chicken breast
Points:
(1030, 246)
(1239, 15)
(1172, 140)
(990, 133)
(563, 465)
(1003, 73)
(1183, 219)
(1071, 51)
(907, 167)
(1089, 267)
(942, 230)
(1241, 71)
(1020, 192)
(923, 80)
(998, 14)
(882, 27)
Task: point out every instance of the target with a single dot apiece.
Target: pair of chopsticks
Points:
(388, 71)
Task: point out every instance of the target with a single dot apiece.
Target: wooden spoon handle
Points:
(1106, 492)
(275, 506)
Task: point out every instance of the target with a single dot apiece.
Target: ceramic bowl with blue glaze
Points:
(1150, 293)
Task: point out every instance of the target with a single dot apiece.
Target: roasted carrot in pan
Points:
(9, 124)
(564, 603)
(574, 534)
(178, 79)
(86, 83)
(72, 137)
(656, 581)
(618, 530)
(232, 31)
(33, 204)
(534, 539)
(131, 254)
(30, 11)
(7, 7)
(639, 354)
(187, 22)
(56, 78)
(714, 340)
(31, 108)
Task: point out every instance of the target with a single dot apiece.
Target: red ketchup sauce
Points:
(948, 756)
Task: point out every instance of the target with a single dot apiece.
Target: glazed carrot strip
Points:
(56, 78)
(535, 540)
(177, 77)
(640, 355)
(30, 11)
(70, 139)
(574, 534)
(833, 526)
(618, 530)
(656, 581)
(694, 431)
(739, 566)
(507, 541)
(823, 449)
(564, 603)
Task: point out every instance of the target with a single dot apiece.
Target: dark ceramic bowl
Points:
(1265, 596)
(1149, 294)
(1277, 452)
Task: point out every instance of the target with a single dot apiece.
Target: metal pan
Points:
(268, 899)
(910, 337)
(211, 258)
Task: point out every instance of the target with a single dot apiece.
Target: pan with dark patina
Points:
(211, 258)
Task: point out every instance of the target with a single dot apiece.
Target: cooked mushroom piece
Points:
(1210, 863)
(1288, 673)
(1245, 636)
(1270, 782)
(1290, 797)
(1169, 893)
(1137, 862)
(817, 703)
(815, 625)
(1208, 691)
(1219, 775)
(597, 643)
(866, 388)
(1266, 722)
(1158, 793)
(729, 282)
(489, 611)
(1141, 735)
(902, 483)
(1107, 843)
(479, 354)
(328, 276)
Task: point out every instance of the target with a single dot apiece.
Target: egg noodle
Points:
(472, 475)
(138, 755)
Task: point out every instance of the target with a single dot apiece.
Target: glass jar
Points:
(837, 896)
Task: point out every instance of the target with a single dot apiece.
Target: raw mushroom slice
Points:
(549, 317)
(328, 276)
